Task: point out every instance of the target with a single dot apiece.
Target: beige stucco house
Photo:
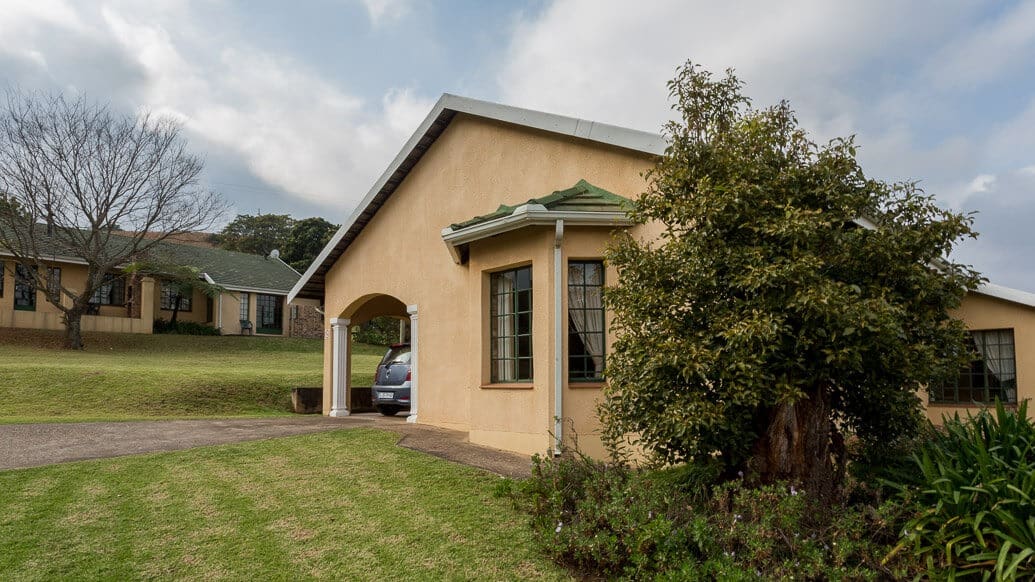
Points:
(487, 232)
(254, 301)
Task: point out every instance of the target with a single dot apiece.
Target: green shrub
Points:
(184, 328)
(612, 521)
(976, 481)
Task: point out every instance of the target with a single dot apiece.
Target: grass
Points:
(124, 377)
(343, 505)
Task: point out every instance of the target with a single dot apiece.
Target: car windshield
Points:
(397, 355)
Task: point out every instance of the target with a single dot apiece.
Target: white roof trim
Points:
(254, 290)
(1006, 294)
(641, 141)
(51, 258)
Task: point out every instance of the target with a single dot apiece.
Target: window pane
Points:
(586, 324)
(991, 375)
(510, 325)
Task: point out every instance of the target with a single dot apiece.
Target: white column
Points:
(339, 366)
(414, 359)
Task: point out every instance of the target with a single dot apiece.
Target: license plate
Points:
(385, 395)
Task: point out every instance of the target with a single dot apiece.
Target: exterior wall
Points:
(197, 307)
(474, 166)
(981, 312)
(111, 318)
(308, 322)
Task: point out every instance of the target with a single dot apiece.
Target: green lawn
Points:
(343, 505)
(123, 376)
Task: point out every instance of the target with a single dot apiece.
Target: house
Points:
(487, 231)
(255, 300)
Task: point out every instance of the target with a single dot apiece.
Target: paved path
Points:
(33, 445)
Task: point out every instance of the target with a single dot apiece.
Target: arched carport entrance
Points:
(359, 312)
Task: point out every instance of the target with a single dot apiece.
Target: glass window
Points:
(24, 288)
(510, 322)
(112, 291)
(245, 308)
(991, 375)
(586, 333)
(2, 272)
(171, 293)
(54, 280)
(269, 313)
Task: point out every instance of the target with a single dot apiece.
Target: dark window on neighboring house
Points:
(246, 312)
(586, 333)
(170, 292)
(24, 288)
(510, 322)
(111, 291)
(991, 375)
(269, 312)
(54, 281)
(3, 271)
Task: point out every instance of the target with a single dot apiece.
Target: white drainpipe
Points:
(558, 339)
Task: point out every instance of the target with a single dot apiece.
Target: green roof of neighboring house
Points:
(229, 268)
(226, 268)
(582, 197)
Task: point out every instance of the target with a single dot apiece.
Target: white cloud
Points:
(980, 183)
(292, 128)
(889, 72)
(381, 11)
(990, 50)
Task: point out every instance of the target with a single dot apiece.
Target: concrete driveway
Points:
(33, 445)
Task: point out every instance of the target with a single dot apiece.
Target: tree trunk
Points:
(176, 309)
(73, 331)
(800, 444)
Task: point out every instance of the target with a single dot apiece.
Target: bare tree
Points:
(81, 181)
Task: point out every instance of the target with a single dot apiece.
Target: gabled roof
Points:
(581, 205)
(1006, 294)
(233, 270)
(311, 283)
(582, 197)
(230, 269)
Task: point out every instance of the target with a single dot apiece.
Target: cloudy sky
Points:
(299, 106)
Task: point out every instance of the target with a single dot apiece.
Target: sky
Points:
(297, 107)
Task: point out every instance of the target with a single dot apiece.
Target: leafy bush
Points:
(379, 331)
(615, 522)
(977, 479)
(184, 328)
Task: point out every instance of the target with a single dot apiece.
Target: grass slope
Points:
(342, 505)
(123, 376)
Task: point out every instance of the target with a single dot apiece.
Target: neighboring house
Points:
(487, 231)
(255, 300)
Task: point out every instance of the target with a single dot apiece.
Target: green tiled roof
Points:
(226, 268)
(582, 197)
(229, 268)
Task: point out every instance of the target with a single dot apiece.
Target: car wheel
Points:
(388, 410)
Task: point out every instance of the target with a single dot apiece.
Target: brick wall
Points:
(305, 321)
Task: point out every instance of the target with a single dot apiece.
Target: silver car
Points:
(391, 390)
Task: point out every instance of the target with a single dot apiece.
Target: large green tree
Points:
(308, 237)
(771, 318)
(256, 234)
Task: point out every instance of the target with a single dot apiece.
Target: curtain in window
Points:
(506, 368)
(585, 305)
(997, 351)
